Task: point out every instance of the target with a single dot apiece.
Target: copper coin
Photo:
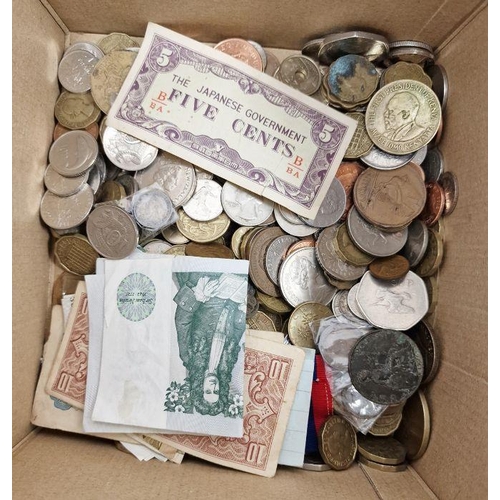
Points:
(390, 268)
(214, 250)
(390, 198)
(449, 182)
(303, 243)
(347, 174)
(92, 129)
(76, 255)
(434, 204)
(244, 240)
(242, 50)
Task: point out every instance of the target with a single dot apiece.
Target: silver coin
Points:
(433, 165)
(243, 207)
(174, 236)
(416, 245)
(414, 55)
(102, 128)
(299, 230)
(420, 155)
(175, 175)
(275, 254)
(127, 152)
(356, 404)
(75, 69)
(269, 221)
(63, 186)
(353, 303)
(439, 83)
(273, 63)
(205, 204)
(311, 48)
(261, 51)
(301, 73)
(342, 311)
(66, 212)
(73, 153)
(288, 215)
(411, 44)
(152, 209)
(95, 178)
(203, 174)
(331, 262)
(369, 45)
(381, 160)
(157, 246)
(302, 280)
(372, 240)
(89, 47)
(397, 304)
(130, 185)
(316, 467)
(332, 207)
(112, 232)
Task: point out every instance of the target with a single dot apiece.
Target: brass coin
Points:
(386, 428)
(299, 331)
(65, 284)
(116, 41)
(432, 291)
(390, 268)
(347, 250)
(274, 304)
(176, 250)
(406, 71)
(76, 111)
(360, 143)
(214, 250)
(433, 255)
(277, 319)
(202, 232)
(383, 450)
(110, 191)
(237, 238)
(382, 467)
(261, 321)
(75, 254)
(449, 182)
(337, 443)
(247, 237)
(415, 429)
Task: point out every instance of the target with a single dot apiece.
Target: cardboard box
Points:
(56, 465)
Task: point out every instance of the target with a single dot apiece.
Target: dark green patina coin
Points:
(386, 366)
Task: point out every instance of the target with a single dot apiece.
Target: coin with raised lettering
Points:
(242, 50)
(116, 41)
(205, 204)
(275, 255)
(433, 256)
(449, 183)
(332, 207)
(301, 73)
(202, 232)
(75, 254)
(299, 329)
(152, 209)
(389, 268)
(383, 450)
(157, 246)
(63, 186)
(337, 442)
(75, 69)
(76, 111)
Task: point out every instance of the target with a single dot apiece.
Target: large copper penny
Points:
(449, 182)
(347, 174)
(434, 204)
(390, 268)
(390, 198)
(242, 50)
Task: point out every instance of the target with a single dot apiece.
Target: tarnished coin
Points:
(332, 207)
(242, 50)
(174, 236)
(383, 450)
(110, 191)
(261, 51)
(369, 45)
(130, 185)
(66, 212)
(381, 160)
(205, 204)
(434, 204)
(237, 238)
(273, 304)
(347, 174)
(176, 250)
(382, 467)
(433, 165)
(299, 331)
(75, 69)
(337, 442)
(277, 319)
(63, 186)
(390, 199)
(273, 63)
(414, 55)
(371, 239)
(390, 268)
(360, 143)
(311, 48)
(352, 79)
(116, 41)
(347, 250)
(243, 207)
(396, 305)
(449, 183)
(439, 83)
(341, 309)
(202, 232)
(416, 244)
(432, 290)
(433, 256)
(302, 280)
(152, 209)
(301, 73)
(127, 152)
(423, 335)
(76, 111)
(112, 232)
(406, 71)
(212, 250)
(75, 254)
(415, 429)
(261, 321)
(403, 116)
(108, 77)
(157, 246)
(299, 230)
(386, 366)
(275, 254)
(175, 175)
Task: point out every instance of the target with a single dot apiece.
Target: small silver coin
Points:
(353, 303)
(299, 230)
(152, 209)
(302, 280)
(174, 236)
(273, 63)
(275, 254)
(342, 311)
(301, 73)
(261, 51)
(433, 165)
(157, 246)
(127, 152)
(66, 212)
(416, 244)
(381, 160)
(243, 207)
(439, 83)
(112, 232)
(420, 155)
(411, 44)
(73, 153)
(63, 186)
(332, 207)
(75, 69)
(89, 47)
(397, 304)
(311, 48)
(372, 240)
(205, 204)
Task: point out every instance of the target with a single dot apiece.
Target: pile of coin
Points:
(370, 255)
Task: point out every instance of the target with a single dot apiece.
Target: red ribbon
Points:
(321, 396)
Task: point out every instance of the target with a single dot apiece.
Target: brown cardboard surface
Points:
(85, 468)
(267, 23)
(455, 465)
(37, 44)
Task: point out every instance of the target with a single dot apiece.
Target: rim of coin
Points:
(433, 256)
(211, 250)
(261, 51)
(61, 185)
(415, 55)
(116, 41)
(382, 467)
(383, 428)
(311, 48)
(416, 243)
(382, 450)
(433, 165)
(88, 46)
(440, 83)
(434, 204)
(449, 183)
(237, 238)
(338, 442)
(381, 160)
(346, 249)
(298, 230)
(75, 254)
(276, 253)
(261, 321)
(410, 43)
(274, 304)
(360, 144)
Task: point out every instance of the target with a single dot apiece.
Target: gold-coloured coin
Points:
(386, 427)
(348, 251)
(116, 41)
(433, 255)
(76, 111)
(213, 250)
(237, 238)
(110, 191)
(338, 442)
(244, 241)
(277, 319)
(406, 71)
(382, 467)
(274, 304)
(75, 254)
(261, 321)
(431, 284)
(383, 450)
(176, 250)
(360, 144)
(202, 232)
(299, 331)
